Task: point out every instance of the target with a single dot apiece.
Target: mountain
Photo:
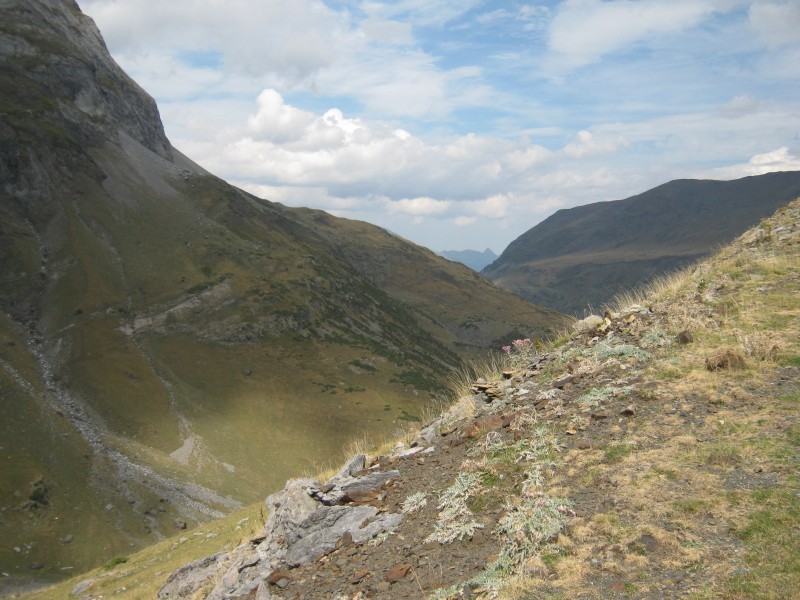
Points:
(472, 258)
(650, 453)
(170, 346)
(585, 255)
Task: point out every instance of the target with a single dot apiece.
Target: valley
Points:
(172, 347)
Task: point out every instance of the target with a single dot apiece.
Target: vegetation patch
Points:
(456, 521)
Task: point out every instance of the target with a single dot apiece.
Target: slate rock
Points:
(321, 530)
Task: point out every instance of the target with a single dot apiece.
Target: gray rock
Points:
(318, 534)
(426, 437)
(300, 528)
(343, 486)
(183, 582)
(355, 465)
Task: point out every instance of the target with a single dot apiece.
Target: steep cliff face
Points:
(61, 96)
(72, 83)
(171, 346)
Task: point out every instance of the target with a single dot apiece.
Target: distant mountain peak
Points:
(474, 259)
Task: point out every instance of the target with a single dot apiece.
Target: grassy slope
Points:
(216, 338)
(696, 492)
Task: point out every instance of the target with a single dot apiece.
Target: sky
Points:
(461, 124)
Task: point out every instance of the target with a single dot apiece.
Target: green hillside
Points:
(172, 347)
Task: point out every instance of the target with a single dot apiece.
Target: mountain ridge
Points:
(472, 258)
(584, 255)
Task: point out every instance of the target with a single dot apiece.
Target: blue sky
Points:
(463, 123)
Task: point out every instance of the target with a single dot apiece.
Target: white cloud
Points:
(463, 221)
(422, 12)
(372, 171)
(780, 159)
(418, 206)
(494, 207)
(588, 144)
(584, 31)
(288, 39)
(276, 121)
(740, 106)
(432, 118)
(777, 23)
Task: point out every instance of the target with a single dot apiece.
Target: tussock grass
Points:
(142, 574)
(489, 367)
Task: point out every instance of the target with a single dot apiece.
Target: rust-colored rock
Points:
(360, 574)
(362, 496)
(563, 381)
(278, 575)
(509, 418)
(345, 541)
(484, 424)
(397, 572)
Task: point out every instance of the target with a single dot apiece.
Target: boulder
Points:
(320, 532)
(304, 523)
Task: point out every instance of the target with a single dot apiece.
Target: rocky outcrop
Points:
(306, 520)
(66, 61)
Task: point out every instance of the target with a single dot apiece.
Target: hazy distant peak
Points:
(472, 258)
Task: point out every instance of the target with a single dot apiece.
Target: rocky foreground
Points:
(633, 459)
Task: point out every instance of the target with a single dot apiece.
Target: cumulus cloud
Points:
(589, 144)
(373, 171)
(276, 121)
(419, 207)
(453, 117)
(291, 45)
(780, 159)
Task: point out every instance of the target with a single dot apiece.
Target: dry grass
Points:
(143, 574)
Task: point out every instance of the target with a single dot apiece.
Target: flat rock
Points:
(319, 533)
(397, 572)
